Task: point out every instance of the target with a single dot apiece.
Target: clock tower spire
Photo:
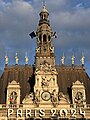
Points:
(44, 49)
(46, 88)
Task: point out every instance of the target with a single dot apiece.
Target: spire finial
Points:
(44, 3)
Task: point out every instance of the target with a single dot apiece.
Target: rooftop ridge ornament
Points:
(82, 59)
(6, 59)
(16, 58)
(26, 59)
(73, 59)
(63, 59)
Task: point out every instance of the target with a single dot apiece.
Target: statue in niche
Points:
(79, 98)
(54, 98)
(13, 98)
(36, 98)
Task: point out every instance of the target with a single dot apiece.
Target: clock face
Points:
(45, 95)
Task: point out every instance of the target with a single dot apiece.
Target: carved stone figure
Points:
(82, 59)
(26, 59)
(13, 98)
(79, 98)
(45, 81)
(64, 97)
(16, 58)
(54, 98)
(63, 59)
(73, 59)
(36, 98)
(6, 59)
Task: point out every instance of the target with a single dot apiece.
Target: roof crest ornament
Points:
(26, 58)
(6, 59)
(63, 59)
(73, 59)
(16, 58)
(82, 59)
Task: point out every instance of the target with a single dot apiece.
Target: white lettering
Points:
(63, 112)
(42, 112)
(73, 112)
(82, 112)
(10, 112)
(19, 112)
(53, 112)
(35, 113)
(28, 112)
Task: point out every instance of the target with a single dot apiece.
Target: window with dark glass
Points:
(44, 38)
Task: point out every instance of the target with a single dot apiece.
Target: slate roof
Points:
(24, 74)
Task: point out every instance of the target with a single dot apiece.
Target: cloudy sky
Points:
(70, 18)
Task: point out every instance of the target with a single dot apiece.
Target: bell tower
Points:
(44, 49)
(46, 88)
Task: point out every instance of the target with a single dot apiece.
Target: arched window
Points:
(49, 38)
(45, 17)
(44, 38)
(40, 37)
(13, 98)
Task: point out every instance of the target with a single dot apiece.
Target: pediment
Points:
(77, 83)
(14, 82)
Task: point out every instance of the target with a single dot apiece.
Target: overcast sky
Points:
(70, 18)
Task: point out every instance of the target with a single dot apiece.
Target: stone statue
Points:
(72, 59)
(36, 98)
(26, 59)
(54, 98)
(62, 59)
(16, 58)
(82, 59)
(6, 59)
(79, 98)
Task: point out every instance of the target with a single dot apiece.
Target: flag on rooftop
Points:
(55, 35)
(32, 34)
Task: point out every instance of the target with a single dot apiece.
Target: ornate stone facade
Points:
(44, 91)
